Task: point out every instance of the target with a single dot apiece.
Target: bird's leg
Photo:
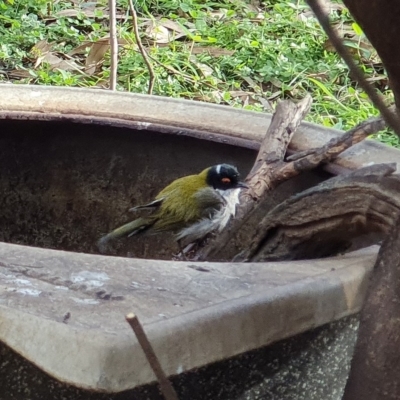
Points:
(181, 250)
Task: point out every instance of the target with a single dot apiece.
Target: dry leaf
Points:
(96, 54)
(321, 76)
(172, 25)
(274, 96)
(164, 31)
(218, 15)
(204, 69)
(87, 12)
(212, 51)
(40, 50)
(253, 84)
(239, 93)
(81, 49)
(276, 82)
(56, 62)
(19, 74)
(158, 33)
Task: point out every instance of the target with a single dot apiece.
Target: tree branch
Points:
(310, 159)
(113, 44)
(286, 119)
(391, 118)
(141, 48)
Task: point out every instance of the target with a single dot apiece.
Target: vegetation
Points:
(222, 51)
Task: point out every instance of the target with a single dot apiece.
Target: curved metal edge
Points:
(132, 124)
(116, 363)
(186, 117)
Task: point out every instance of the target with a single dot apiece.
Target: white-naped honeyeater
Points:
(191, 206)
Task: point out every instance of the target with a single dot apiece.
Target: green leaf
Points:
(357, 29)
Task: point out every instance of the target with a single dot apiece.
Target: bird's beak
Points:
(242, 185)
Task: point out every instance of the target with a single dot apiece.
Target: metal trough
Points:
(72, 162)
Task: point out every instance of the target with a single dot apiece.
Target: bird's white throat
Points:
(215, 223)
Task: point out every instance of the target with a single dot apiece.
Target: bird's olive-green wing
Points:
(186, 203)
(149, 206)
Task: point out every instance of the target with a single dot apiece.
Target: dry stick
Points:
(286, 119)
(165, 385)
(391, 118)
(273, 147)
(113, 44)
(141, 48)
(310, 159)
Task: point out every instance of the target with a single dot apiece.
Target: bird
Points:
(191, 207)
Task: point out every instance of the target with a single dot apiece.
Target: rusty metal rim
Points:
(131, 111)
(132, 124)
(174, 116)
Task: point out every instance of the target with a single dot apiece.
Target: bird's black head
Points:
(223, 177)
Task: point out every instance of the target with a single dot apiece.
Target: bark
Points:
(271, 170)
(323, 220)
(375, 368)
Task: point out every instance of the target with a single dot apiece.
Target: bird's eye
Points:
(225, 180)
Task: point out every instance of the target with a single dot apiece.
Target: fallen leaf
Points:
(81, 49)
(40, 50)
(253, 84)
(172, 25)
(239, 93)
(164, 31)
(96, 54)
(88, 13)
(19, 74)
(56, 62)
(204, 69)
(212, 51)
(158, 33)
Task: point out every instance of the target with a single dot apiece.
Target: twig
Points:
(165, 385)
(113, 44)
(142, 49)
(273, 147)
(391, 118)
(269, 170)
(310, 159)
(261, 180)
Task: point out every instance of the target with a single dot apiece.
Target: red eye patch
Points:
(225, 180)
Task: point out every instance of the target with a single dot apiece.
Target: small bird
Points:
(193, 206)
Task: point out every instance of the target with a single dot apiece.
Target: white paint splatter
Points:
(85, 301)
(90, 279)
(179, 369)
(35, 93)
(61, 287)
(22, 282)
(28, 291)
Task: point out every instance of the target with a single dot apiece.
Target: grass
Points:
(224, 51)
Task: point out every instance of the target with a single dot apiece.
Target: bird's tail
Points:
(131, 228)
